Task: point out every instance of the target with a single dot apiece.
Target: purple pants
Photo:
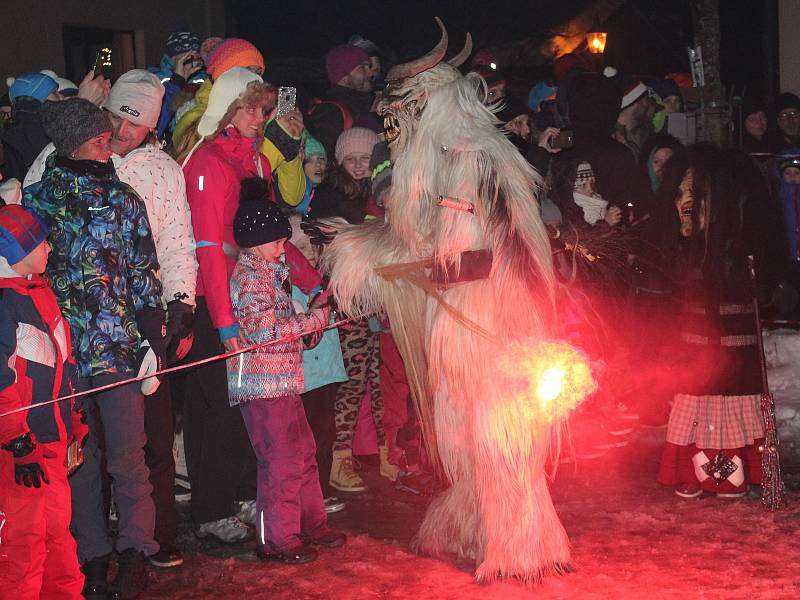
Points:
(289, 498)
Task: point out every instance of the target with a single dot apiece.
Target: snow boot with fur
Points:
(343, 475)
(388, 470)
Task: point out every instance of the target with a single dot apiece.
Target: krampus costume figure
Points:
(462, 266)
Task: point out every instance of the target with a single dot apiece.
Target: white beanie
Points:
(227, 88)
(355, 140)
(136, 97)
(63, 83)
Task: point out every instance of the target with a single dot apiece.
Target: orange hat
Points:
(233, 52)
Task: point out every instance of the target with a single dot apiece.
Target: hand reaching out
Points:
(94, 89)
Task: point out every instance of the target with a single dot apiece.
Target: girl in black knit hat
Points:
(267, 382)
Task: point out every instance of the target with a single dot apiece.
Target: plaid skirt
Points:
(715, 421)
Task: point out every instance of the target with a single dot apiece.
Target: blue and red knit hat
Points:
(20, 233)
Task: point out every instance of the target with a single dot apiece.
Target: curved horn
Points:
(417, 66)
(460, 58)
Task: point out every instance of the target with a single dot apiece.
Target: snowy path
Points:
(631, 539)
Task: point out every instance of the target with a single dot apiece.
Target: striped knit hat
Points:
(233, 52)
(20, 233)
(583, 174)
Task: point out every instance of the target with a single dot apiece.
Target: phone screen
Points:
(287, 97)
(102, 63)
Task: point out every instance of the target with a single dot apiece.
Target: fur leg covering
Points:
(499, 511)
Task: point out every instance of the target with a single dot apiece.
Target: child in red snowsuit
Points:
(38, 555)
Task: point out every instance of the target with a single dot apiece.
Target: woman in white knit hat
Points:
(222, 151)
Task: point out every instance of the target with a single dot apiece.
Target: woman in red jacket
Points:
(219, 456)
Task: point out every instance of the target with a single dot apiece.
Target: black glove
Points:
(150, 357)
(321, 300)
(319, 233)
(180, 323)
(29, 464)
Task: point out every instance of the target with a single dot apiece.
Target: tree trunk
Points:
(713, 116)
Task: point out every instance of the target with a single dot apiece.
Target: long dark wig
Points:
(734, 215)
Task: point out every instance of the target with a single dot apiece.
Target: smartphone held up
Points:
(102, 63)
(287, 99)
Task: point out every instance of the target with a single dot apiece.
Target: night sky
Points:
(646, 37)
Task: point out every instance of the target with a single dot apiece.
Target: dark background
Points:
(645, 37)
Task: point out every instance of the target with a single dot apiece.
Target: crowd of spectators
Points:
(175, 215)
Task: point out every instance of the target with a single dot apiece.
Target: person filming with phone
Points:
(180, 65)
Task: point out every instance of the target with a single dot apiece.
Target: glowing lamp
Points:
(596, 41)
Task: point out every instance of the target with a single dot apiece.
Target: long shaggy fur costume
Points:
(498, 512)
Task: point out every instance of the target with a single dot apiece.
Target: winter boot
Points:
(95, 572)
(388, 470)
(131, 577)
(343, 476)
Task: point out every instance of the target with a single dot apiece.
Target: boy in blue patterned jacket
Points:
(105, 275)
(266, 384)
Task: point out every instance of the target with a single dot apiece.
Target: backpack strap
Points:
(347, 118)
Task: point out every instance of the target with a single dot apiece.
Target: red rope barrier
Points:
(203, 361)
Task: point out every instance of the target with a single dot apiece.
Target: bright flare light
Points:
(550, 386)
(549, 379)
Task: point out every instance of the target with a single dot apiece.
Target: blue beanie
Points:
(21, 232)
(35, 85)
(312, 146)
(539, 93)
(181, 40)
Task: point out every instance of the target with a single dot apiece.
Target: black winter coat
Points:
(24, 140)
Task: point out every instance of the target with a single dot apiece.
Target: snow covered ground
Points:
(782, 349)
(632, 539)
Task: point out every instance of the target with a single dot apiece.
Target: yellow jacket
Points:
(289, 173)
